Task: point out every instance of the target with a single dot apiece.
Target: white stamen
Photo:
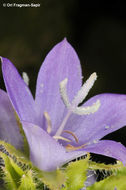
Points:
(81, 95)
(48, 120)
(63, 92)
(87, 110)
(25, 78)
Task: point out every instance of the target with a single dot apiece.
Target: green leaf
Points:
(76, 174)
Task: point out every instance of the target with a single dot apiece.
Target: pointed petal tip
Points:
(4, 60)
(65, 41)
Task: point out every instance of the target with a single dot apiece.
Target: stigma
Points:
(73, 107)
(80, 96)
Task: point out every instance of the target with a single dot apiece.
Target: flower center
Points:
(73, 108)
(49, 129)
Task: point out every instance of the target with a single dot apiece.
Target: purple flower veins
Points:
(57, 129)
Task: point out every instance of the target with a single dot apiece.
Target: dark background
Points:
(97, 31)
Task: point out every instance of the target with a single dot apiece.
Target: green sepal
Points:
(27, 182)
(15, 178)
(15, 154)
(14, 165)
(11, 176)
(25, 145)
(76, 174)
(21, 165)
(116, 181)
(53, 180)
(106, 167)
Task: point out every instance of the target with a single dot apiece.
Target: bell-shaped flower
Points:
(57, 128)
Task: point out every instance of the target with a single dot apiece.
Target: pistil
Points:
(61, 128)
(73, 106)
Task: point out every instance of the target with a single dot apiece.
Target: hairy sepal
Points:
(15, 163)
(76, 174)
(113, 182)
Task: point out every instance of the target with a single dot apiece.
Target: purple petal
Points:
(45, 152)
(18, 92)
(61, 62)
(110, 117)
(108, 148)
(9, 130)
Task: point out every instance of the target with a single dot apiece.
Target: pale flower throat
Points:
(73, 107)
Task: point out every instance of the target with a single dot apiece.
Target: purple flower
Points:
(57, 129)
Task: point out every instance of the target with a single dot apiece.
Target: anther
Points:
(71, 133)
(48, 120)
(70, 147)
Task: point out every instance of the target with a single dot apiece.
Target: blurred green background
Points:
(96, 29)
